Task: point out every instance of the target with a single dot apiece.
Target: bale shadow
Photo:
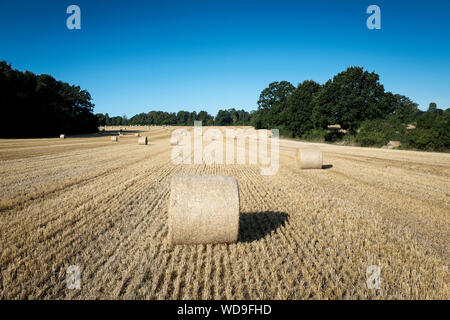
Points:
(256, 225)
(327, 166)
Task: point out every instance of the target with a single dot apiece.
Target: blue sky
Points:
(137, 56)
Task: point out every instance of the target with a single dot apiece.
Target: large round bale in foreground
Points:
(173, 141)
(310, 158)
(203, 209)
(143, 140)
(115, 138)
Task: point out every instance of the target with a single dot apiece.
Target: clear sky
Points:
(137, 56)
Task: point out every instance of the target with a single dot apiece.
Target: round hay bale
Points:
(115, 138)
(62, 136)
(143, 140)
(203, 209)
(394, 144)
(137, 134)
(310, 158)
(173, 141)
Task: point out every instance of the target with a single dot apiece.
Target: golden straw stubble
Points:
(203, 209)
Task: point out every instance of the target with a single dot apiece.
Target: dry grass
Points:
(303, 234)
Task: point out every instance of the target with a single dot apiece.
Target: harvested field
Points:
(303, 234)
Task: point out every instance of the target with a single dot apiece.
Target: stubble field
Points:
(303, 234)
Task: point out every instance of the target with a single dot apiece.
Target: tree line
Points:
(356, 101)
(367, 114)
(38, 105)
(181, 118)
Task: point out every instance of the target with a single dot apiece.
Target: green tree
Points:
(276, 93)
(271, 104)
(299, 108)
(205, 118)
(101, 119)
(116, 121)
(183, 118)
(223, 118)
(432, 131)
(50, 106)
(379, 132)
(432, 107)
(353, 96)
(400, 106)
(243, 117)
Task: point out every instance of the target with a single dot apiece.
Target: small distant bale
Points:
(173, 141)
(203, 209)
(310, 158)
(142, 140)
(393, 144)
(336, 127)
(62, 136)
(115, 138)
(137, 134)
